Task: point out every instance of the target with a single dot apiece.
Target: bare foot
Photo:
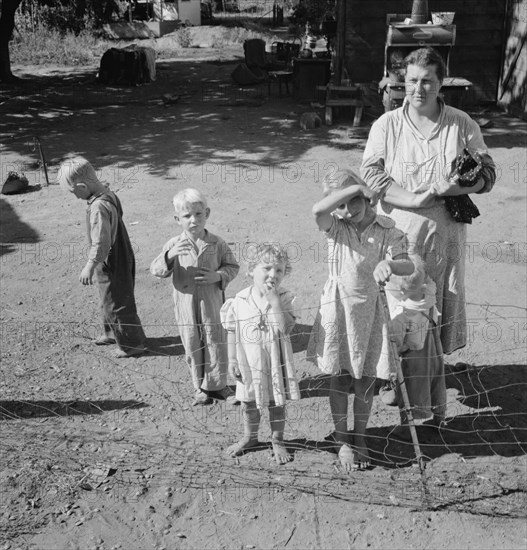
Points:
(346, 457)
(357, 458)
(361, 455)
(281, 454)
(239, 448)
(104, 340)
(131, 352)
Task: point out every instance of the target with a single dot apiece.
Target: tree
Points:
(7, 24)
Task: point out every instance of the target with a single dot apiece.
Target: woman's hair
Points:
(186, 197)
(425, 57)
(76, 170)
(267, 252)
(340, 179)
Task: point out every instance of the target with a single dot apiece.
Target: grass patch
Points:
(49, 46)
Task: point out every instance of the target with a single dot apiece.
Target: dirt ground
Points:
(105, 453)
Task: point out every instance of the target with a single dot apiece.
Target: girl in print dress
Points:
(258, 321)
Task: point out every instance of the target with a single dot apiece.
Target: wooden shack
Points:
(475, 56)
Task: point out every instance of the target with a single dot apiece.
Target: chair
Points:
(343, 96)
(254, 51)
(256, 56)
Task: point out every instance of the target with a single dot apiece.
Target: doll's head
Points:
(191, 212)
(268, 264)
(77, 175)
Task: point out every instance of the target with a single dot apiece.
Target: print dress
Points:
(264, 353)
(350, 332)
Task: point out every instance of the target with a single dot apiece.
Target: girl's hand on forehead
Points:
(370, 195)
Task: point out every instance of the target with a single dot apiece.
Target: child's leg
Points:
(119, 311)
(277, 418)
(338, 403)
(364, 390)
(251, 423)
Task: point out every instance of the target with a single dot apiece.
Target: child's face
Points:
(81, 191)
(354, 210)
(268, 274)
(399, 288)
(192, 218)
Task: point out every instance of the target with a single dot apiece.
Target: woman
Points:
(408, 160)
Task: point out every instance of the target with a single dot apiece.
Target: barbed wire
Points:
(483, 421)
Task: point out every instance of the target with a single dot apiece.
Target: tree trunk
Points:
(7, 24)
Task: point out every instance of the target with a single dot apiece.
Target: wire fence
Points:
(141, 431)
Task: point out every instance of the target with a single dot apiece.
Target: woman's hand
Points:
(451, 187)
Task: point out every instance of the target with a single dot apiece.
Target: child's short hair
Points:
(417, 278)
(338, 180)
(188, 196)
(268, 251)
(76, 170)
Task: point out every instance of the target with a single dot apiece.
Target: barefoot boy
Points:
(111, 260)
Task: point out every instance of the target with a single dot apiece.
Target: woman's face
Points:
(422, 86)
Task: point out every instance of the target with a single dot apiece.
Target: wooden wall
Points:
(512, 91)
(476, 55)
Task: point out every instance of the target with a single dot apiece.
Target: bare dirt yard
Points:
(102, 453)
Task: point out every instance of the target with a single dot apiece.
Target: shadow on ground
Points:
(155, 124)
(11, 410)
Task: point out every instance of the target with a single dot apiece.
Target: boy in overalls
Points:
(111, 261)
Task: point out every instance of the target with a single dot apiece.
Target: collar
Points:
(384, 221)
(93, 198)
(438, 124)
(245, 294)
(208, 238)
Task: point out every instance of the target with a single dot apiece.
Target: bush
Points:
(51, 46)
(66, 16)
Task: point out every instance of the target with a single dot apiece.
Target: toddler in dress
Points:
(412, 304)
(258, 321)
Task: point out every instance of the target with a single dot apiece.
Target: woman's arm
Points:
(401, 198)
(374, 174)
